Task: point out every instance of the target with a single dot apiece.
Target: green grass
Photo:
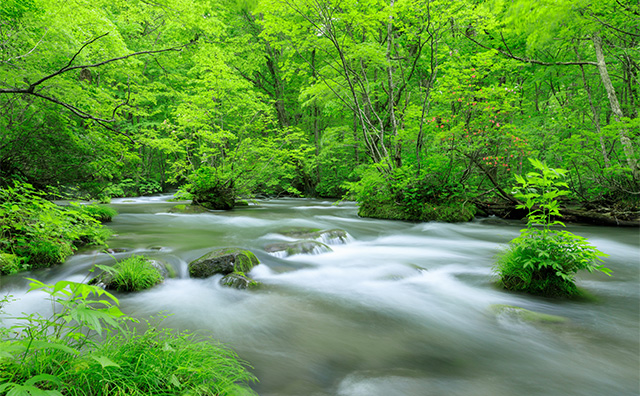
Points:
(158, 361)
(101, 353)
(134, 274)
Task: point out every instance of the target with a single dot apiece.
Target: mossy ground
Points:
(450, 213)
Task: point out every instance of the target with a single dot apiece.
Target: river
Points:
(401, 309)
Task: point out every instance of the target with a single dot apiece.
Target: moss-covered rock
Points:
(525, 315)
(238, 280)
(223, 261)
(330, 237)
(217, 196)
(284, 249)
(299, 232)
(187, 209)
(242, 202)
(450, 212)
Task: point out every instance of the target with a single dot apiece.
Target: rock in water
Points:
(238, 280)
(520, 314)
(188, 209)
(284, 249)
(223, 261)
(330, 237)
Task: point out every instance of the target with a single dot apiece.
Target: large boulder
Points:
(284, 249)
(223, 261)
(218, 196)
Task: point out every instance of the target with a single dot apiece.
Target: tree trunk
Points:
(627, 145)
(393, 122)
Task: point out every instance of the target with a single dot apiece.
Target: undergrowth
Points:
(87, 346)
(37, 233)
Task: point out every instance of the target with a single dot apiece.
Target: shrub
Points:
(403, 195)
(61, 354)
(99, 212)
(132, 188)
(212, 190)
(40, 232)
(542, 260)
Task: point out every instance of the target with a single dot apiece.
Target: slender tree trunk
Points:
(393, 122)
(595, 115)
(627, 145)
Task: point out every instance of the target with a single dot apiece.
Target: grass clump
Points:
(132, 274)
(39, 232)
(101, 213)
(57, 356)
(543, 260)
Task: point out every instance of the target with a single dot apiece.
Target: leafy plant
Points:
(543, 260)
(99, 212)
(85, 347)
(41, 233)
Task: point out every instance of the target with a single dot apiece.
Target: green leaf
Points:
(105, 361)
(39, 345)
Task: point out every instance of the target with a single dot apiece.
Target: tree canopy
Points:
(420, 105)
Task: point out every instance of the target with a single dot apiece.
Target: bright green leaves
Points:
(62, 353)
(39, 232)
(543, 260)
(540, 190)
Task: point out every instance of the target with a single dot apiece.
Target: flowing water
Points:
(401, 309)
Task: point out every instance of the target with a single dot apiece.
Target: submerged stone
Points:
(525, 315)
(183, 208)
(223, 261)
(284, 249)
(115, 250)
(331, 237)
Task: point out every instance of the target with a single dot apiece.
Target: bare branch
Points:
(28, 52)
(30, 90)
(529, 60)
(613, 27)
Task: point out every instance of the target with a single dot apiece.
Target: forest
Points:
(419, 110)
(416, 109)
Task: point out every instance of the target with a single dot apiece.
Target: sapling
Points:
(543, 259)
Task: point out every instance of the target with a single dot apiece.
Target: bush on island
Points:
(543, 260)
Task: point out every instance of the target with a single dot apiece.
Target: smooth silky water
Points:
(401, 309)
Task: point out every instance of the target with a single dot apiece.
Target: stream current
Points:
(400, 309)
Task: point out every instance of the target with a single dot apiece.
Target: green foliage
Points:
(211, 189)
(132, 188)
(101, 213)
(403, 196)
(543, 260)
(40, 232)
(63, 354)
(132, 274)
